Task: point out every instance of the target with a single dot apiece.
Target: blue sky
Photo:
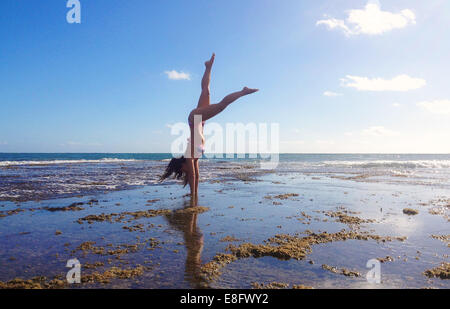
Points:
(338, 76)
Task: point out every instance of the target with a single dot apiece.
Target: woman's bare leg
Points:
(205, 96)
(212, 110)
(197, 175)
(191, 175)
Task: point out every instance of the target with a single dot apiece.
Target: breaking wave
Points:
(51, 162)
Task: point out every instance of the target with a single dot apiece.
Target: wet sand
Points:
(255, 231)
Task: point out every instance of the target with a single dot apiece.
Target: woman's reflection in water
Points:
(186, 222)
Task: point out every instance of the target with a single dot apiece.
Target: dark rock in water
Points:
(386, 259)
(72, 207)
(342, 271)
(410, 212)
(442, 272)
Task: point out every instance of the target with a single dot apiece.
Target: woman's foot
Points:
(210, 62)
(247, 90)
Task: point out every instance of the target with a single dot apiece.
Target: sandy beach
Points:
(287, 228)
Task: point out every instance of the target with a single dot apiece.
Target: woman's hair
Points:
(175, 167)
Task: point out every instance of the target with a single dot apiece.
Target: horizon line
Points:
(247, 153)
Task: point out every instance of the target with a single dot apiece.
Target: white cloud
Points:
(396, 105)
(170, 125)
(379, 131)
(371, 20)
(334, 23)
(437, 107)
(398, 83)
(174, 75)
(331, 94)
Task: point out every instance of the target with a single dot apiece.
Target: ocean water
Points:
(25, 176)
(315, 160)
(242, 203)
(14, 158)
